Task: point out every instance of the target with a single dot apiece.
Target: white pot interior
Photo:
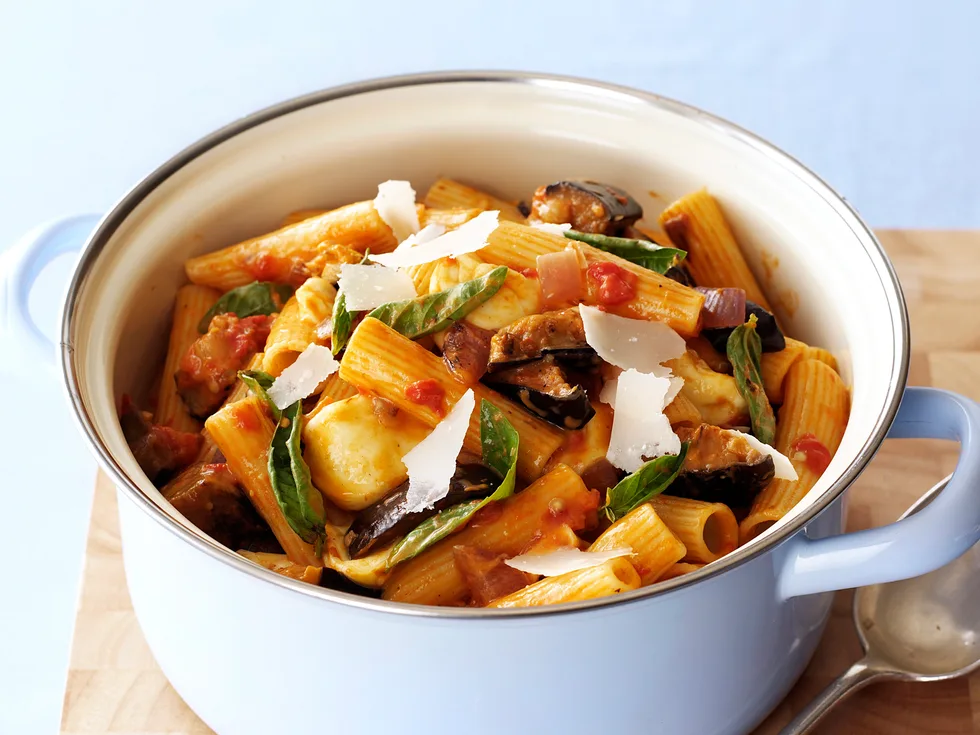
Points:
(819, 266)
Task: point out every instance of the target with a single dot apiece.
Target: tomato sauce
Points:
(578, 514)
(529, 272)
(611, 284)
(817, 456)
(427, 392)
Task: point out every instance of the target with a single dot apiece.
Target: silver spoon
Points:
(921, 629)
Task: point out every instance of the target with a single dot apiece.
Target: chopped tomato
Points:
(269, 267)
(529, 272)
(816, 455)
(611, 284)
(427, 392)
(157, 449)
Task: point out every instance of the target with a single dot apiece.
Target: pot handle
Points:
(920, 543)
(20, 266)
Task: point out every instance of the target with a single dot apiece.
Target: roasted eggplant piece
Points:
(680, 274)
(587, 205)
(543, 389)
(556, 333)
(769, 332)
(721, 467)
(466, 351)
(388, 518)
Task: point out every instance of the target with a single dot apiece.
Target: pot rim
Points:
(134, 197)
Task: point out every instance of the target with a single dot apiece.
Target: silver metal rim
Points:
(110, 223)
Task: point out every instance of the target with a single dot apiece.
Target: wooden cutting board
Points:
(114, 685)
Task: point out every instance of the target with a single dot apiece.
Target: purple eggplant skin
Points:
(388, 519)
(568, 410)
(721, 467)
(560, 334)
(588, 206)
(771, 335)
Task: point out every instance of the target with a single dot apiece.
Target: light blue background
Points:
(882, 99)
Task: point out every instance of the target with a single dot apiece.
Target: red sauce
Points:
(266, 267)
(529, 272)
(246, 420)
(578, 514)
(427, 393)
(489, 513)
(611, 284)
(817, 455)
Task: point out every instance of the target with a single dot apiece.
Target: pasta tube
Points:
(655, 547)
(695, 223)
(775, 366)
(191, 305)
(335, 389)
(708, 530)
(299, 325)
(280, 564)
(447, 194)
(811, 424)
(609, 578)
(682, 412)
(448, 218)
(301, 215)
(679, 569)
(819, 353)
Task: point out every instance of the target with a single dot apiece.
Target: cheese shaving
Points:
(562, 561)
(784, 468)
(432, 462)
(429, 232)
(395, 204)
(640, 431)
(552, 228)
(368, 286)
(314, 365)
(608, 393)
(639, 344)
(467, 238)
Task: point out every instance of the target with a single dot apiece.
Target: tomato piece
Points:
(611, 284)
(817, 456)
(427, 392)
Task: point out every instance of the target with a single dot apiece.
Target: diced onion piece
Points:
(467, 238)
(640, 430)
(562, 561)
(551, 227)
(368, 286)
(784, 468)
(432, 462)
(314, 365)
(639, 344)
(395, 204)
(723, 307)
(560, 277)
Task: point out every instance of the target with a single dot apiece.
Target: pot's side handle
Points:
(20, 266)
(930, 538)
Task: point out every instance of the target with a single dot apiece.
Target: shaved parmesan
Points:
(552, 228)
(639, 344)
(429, 232)
(608, 393)
(368, 286)
(314, 365)
(467, 238)
(640, 431)
(784, 468)
(562, 561)
(432, 462)
(395, 204)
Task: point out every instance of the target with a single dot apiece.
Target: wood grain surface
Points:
(114, 685)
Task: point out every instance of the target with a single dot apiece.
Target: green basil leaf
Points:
(647, 254)
(651, 479)
(300, 502)
(427, 314)
(745, 354)
(500, 442)
(258, 297)
(342, 323)
(259, 383)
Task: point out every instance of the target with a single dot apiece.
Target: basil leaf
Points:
(500, 442)
(259, 383)
(427, 314)
(258, 297)
(651, 479)
(745, 354)
(647, 254)
(342, 323)
(300, 502)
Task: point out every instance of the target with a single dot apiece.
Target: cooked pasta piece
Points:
(431, 578)
(448, 218)
(191, 304)
(301, 215)
(682, 412)
(354, 449)
(380, 360)
(588, 445)
(609, 578)
(209, 450)
(680, 569)
(819, 353)
(707, 530)
(775, 366)
(695, 223)
(280, 564)
(278, 255)
(369, 571)
(334, 389)
(655, 547)
(299, 325)
(243, 432)
(446, 194)
(811, 424)
(714, 395)
(714, 359)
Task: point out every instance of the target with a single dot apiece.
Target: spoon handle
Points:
(857, 677)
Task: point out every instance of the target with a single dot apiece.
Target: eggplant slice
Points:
(769, 332)
(721, 467)
(543, 389)
(587, 205)
(388, 518)
(556, 333)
